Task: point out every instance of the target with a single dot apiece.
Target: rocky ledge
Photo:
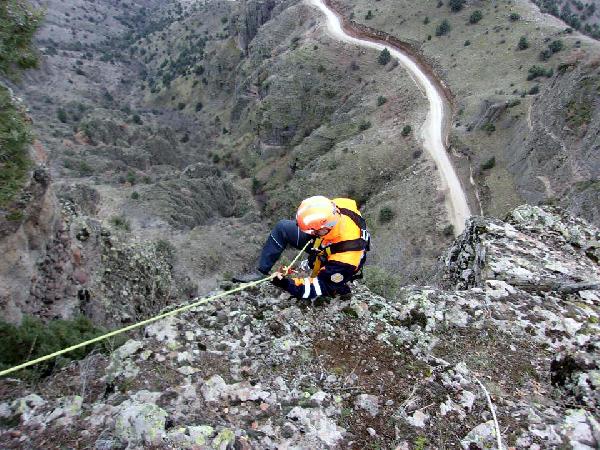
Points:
(517, 313)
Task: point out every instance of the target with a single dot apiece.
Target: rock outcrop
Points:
(64, 263)
(558, 142)
(254, 14)
(23, 241)
(260, 370)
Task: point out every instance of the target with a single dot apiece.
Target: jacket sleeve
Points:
(331, 279)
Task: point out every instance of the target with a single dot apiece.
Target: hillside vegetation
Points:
(504, 63)
(18, 23)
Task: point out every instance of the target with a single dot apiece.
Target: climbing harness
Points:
(150, 320)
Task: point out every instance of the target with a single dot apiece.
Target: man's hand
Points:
(279, 279)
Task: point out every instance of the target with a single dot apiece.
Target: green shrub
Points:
(545, 55)
(514, 17)
(475, 17)
(406, 130)
(18, 24)
(15, 137)
(61, 114)
(534, 90)
(386, 214)
(33, 339)
(420, 443)
(456, 5)
(369, 15)
(166, 249)
(380, 282)
(256, 186)
(488, 127)
(443, 28)
(467, 43)
(135, 195)
(84, 169)
(131, 177)
(121, 223)
(15, 216)
(539, 71)
(137, 119)
(199, 106)
(556, 46)
(364, 125)
(523, 43)
(489, 164)
(381, 100)
(426, 20)
(384, 57)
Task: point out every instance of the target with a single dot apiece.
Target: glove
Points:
(304, 265)
(279, 282)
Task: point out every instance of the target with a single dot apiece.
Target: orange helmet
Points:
(317, 215)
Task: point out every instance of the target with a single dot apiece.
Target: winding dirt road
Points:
(432, 131)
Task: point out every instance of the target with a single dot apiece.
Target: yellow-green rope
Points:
(144, 322)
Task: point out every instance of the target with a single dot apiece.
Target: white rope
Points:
(491, 405)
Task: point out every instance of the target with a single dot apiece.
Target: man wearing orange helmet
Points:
(337, 254)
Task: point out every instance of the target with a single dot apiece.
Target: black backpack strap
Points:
(356, 218)
(360, 223)
(348, 246)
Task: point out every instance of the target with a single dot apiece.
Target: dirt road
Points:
(432, 131)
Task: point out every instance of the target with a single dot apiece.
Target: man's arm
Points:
(329, 280)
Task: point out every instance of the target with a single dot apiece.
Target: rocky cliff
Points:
(260, 370)
(552, 153)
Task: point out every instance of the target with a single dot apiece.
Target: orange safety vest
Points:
(347, 242)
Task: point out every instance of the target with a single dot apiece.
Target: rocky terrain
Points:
(156, 142)
(259, 370)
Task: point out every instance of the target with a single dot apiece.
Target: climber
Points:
(340, 242)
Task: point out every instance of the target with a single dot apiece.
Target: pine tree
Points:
(384, 57)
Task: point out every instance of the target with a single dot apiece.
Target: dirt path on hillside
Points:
(435, 129)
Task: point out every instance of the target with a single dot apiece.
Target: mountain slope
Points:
(262, 371)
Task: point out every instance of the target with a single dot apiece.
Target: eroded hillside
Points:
(199, 125)
(525, 114)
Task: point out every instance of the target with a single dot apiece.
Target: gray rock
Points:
(369, 403)
(139, 421)
(105, 444)
(200, 435)
(580, 427)
(483, 436)
(317, 425)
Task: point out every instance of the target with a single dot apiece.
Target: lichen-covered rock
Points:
(320, 430)
(139, 421)
(258, 370)
(536, 249)
(369, 403)
(483, 436)
(67, 410)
